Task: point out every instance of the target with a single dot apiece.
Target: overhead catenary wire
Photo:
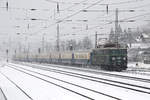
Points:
(57, 2)
(113, 3)
(73, 15)
(121, 20)
(112, 22)
(142, 6)
(24, 9)
(106, 4)
(76, 3)
(69, 16)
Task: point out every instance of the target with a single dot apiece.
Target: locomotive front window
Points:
(118, 58)
(123, 51)
(113, 52)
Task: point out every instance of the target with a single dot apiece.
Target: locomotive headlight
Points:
(124, 58)
(113, 58)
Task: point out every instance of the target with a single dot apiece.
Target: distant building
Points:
(138, 43)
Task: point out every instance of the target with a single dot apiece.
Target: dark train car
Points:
(110, 58)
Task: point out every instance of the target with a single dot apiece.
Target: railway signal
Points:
(39, 50)
(107, 9)
(7, 54)
(7, 6)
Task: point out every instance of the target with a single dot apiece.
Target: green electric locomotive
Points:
(110, 57)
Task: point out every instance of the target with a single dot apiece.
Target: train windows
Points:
(123, 51)
(118, 58)
(113, 52)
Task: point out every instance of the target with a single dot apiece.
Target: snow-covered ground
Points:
(138, 65)
(10, 90)
(97, 75)
(37, 89)
(94, 70)
(40, 90)
(2, 95)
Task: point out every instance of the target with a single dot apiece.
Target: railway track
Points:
(141, 71)
(132, 87)
(17, 86)
(90, 71)
(61, 86)
(137, 72)
(2, 95)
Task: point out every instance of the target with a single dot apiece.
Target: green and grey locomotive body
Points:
(110, 58)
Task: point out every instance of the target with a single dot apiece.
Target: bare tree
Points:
(87, 43)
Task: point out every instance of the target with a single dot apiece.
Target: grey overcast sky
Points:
(17, 18)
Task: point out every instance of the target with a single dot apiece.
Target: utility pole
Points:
(28, 51)
(43, 42)
(7, 54)
(7, 6)
(116, 27)
(96, 39)
(58, 37)
(20, 48)
(58, 33)
(129, 36)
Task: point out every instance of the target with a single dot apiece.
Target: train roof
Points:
(111, 46)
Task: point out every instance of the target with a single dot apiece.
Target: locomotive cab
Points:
(110, 56)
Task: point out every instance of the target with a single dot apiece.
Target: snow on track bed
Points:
(119, 92)
(10, 90)
(124, 74)
(96, 73)
(2, 95)
(86, 94)
(137, 70)
(125, 85)
(141, 68)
